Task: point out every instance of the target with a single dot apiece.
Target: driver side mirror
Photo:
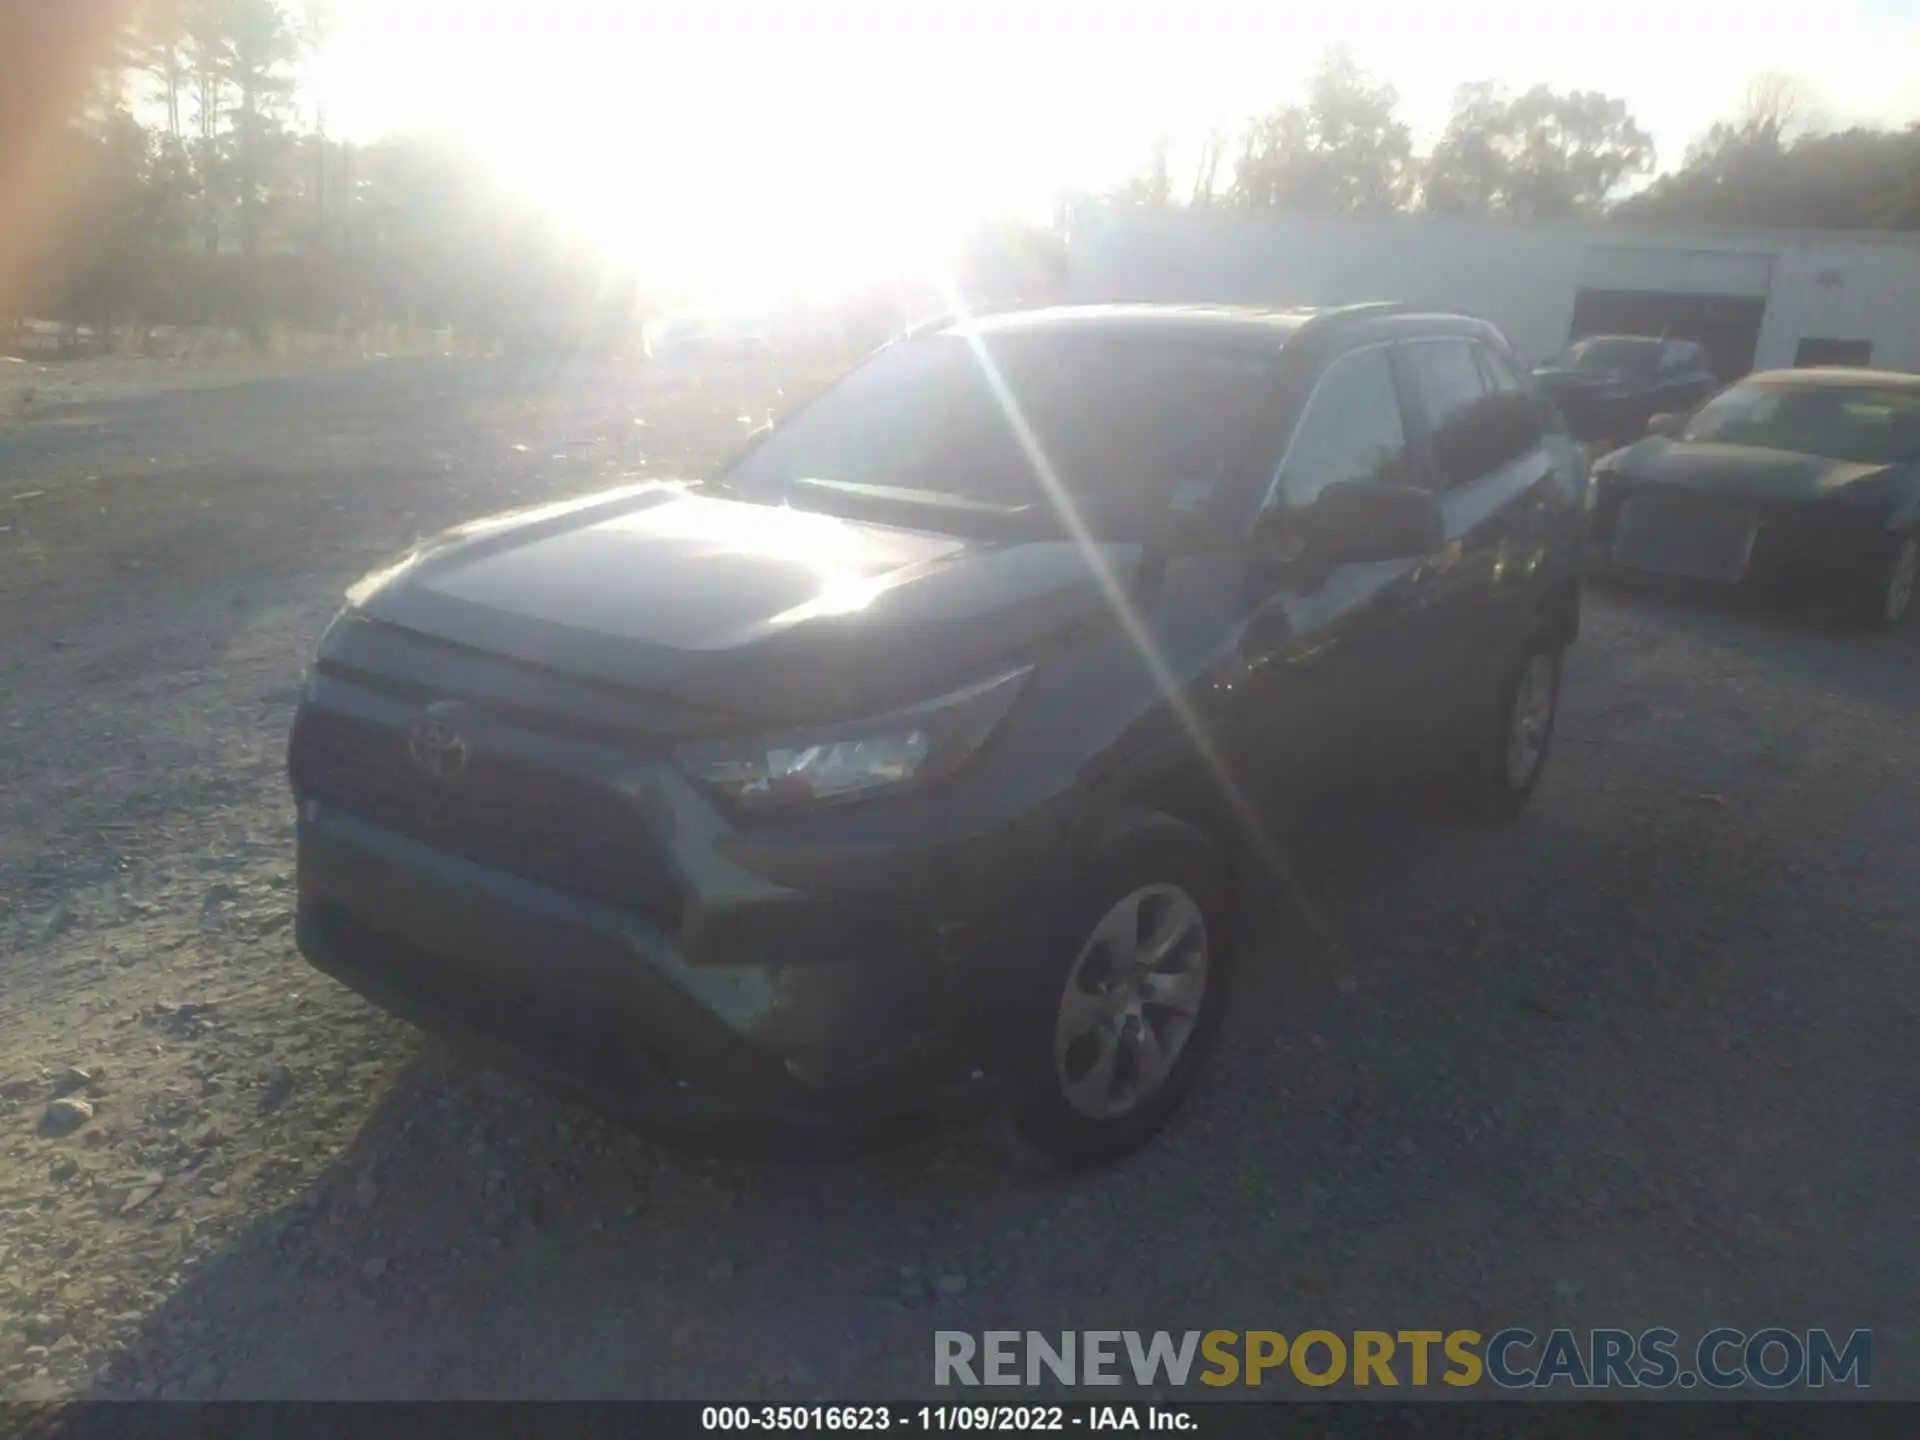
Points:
(1666, 425)
(1358, 520)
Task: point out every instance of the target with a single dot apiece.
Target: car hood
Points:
(1741, 470)
(722, 604)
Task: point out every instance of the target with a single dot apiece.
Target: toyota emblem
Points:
(437, 748)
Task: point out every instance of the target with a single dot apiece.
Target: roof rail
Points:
(1360, 310)
(927, 325)
(959, 315)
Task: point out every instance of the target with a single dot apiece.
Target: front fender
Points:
(1905, 513)
(1894, 494)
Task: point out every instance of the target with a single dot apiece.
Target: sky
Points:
(689, 135)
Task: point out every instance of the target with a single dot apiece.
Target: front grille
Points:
(1693, 538)
(541, 825)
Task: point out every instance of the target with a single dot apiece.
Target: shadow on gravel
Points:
(477, 1236)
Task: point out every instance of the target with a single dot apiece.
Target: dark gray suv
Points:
(923, 748)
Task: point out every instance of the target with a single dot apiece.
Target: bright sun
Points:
(740, 155)
(725, 245)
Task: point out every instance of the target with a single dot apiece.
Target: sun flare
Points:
(745, 158)
(742, 150)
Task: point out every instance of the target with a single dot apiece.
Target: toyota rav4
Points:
(921, 752)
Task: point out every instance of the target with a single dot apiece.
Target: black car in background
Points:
(1609, 386)
(928, 744)
(1810, 475)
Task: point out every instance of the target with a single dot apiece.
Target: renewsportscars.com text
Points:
(1513, 1358)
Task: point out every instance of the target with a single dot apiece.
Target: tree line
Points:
(1538, 155)
(207, 190)
(213, 195)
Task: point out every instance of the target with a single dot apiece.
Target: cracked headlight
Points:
(839, 762)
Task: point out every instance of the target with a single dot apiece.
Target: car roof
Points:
(1240, 323)
(1213, 320)
(1647, 340)
(1835, 375)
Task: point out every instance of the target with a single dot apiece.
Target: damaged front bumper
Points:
(856, 1015)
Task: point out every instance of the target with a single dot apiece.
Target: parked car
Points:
(1608, 386)
(1809, 475)
(923, 748)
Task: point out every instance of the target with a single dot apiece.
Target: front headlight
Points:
(367, 586)
(1599, 477)
(1875, 492)
(839, 762)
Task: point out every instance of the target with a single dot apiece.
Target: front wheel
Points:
(1502, 767)
(1128, 1003)
(1887, 595)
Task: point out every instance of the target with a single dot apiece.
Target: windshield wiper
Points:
(933, 499)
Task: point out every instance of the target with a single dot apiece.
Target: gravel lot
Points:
(1647, 1057)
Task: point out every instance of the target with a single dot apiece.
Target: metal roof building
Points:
(1756, 299)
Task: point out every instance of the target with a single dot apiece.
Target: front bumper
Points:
(639, 951)
(1730, 540)
(603, 1006)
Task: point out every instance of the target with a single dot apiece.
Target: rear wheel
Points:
(1887, 596)
(1129, 1001)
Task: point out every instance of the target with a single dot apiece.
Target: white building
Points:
(1757, 299)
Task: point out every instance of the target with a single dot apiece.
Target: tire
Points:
(1162, 878)
(1500, 770)
(1887, 596)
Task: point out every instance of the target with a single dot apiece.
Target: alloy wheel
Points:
(1131, 1002)
(1529, 719)
(1902, 576)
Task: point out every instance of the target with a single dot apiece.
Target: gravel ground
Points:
(29, 387)
(1646, 1057)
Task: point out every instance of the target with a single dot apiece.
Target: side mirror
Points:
(1664, 424)
(1358, 520)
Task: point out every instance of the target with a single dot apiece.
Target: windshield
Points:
(1124, 421)
(1865, 425)
(1632, 355)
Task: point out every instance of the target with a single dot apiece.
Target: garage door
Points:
(1672, 271)
(1726, 326)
